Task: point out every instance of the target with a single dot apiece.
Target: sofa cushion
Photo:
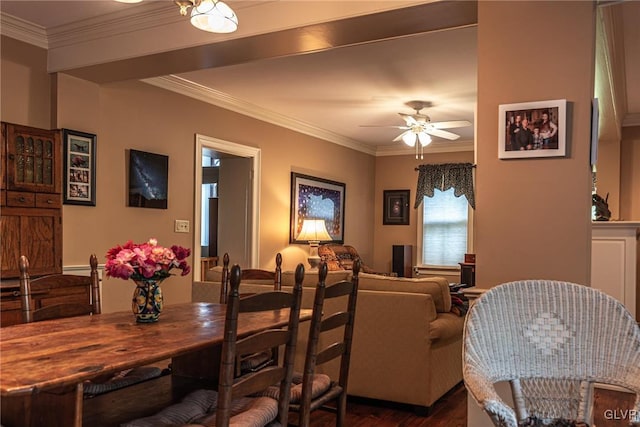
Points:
(437, 287)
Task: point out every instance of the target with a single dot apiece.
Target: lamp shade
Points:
(214, 16)
(314, 230)
(409, 138)
(424, 138)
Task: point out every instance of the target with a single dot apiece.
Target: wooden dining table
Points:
(43, 365)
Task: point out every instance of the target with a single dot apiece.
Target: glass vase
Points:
(147, 300)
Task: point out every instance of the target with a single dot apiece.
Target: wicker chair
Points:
(552, 341)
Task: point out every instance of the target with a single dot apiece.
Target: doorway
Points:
(238, 194)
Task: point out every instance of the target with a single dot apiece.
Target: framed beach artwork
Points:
(532, 129)
(317, 198)
(79, 168)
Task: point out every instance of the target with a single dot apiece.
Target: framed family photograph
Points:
(148, 180)
(532, 129)
(395, 207)
(79, 168)
(317, 198)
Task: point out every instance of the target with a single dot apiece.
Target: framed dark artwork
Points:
(395, 207)
(79, 168)
(317, 198)
(532, 129)
(148, 179)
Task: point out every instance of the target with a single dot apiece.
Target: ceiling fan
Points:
(419, 128)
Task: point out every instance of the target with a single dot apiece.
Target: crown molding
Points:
(145, 16)
(148, 16)
(220, 99)
(435, 147)
(211, 96)
(22, 30)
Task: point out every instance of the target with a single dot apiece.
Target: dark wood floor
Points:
(111, 409)
(451, 411)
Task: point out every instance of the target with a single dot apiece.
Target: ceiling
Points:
(363, 77)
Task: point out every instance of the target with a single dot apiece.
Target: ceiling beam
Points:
(396, 23)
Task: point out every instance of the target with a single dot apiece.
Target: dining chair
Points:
(58, 295)
(236, 401)
(253, 362)
(321, 324)
(67, 295)
(310, 390)
(551, 341)
(250, 274)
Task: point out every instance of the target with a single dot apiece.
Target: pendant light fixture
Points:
(214, 16)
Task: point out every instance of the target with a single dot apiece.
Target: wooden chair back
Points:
(232, 384)
(250, 274)
(58, 295)
(318, 355)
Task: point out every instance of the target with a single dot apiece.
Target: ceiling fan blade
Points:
(442, 134)
(450, 124)
(409, 119)
(399, 137)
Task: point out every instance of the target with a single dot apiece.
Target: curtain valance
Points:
(443, 177)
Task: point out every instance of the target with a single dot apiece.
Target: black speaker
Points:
(402, 260)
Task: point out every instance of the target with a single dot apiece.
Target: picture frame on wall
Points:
(148, 180)
(532, 129)
(395, 207)
(79, 167)
(317, 198)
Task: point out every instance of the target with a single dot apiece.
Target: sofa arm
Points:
(391, 355)
(437, 287)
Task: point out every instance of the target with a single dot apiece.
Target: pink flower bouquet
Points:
(139, 261)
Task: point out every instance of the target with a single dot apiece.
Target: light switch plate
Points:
(181, 226)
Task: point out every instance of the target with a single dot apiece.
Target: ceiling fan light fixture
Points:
(214, 16)
(409, 138)
(424, 138)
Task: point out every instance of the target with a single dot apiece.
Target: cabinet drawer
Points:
(21, 199)
(48, 200)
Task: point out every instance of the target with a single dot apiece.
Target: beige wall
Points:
(532, 217)
(398, 173)
(139, 116)
(630, 174)
(25, 90)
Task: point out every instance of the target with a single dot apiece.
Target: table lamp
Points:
(314, 231)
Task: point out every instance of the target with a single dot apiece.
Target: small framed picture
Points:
(395, 207)
(532, 129)
(148, 179)
(79, 171)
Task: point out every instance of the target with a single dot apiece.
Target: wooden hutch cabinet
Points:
(31, 200)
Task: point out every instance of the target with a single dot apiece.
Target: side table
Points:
(468, 273)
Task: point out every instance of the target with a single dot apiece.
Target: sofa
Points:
(407, 343)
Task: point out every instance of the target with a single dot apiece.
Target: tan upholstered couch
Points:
(407, 345)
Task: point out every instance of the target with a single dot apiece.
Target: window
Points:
(443, 230)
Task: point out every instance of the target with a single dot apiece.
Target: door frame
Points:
(202, 142)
